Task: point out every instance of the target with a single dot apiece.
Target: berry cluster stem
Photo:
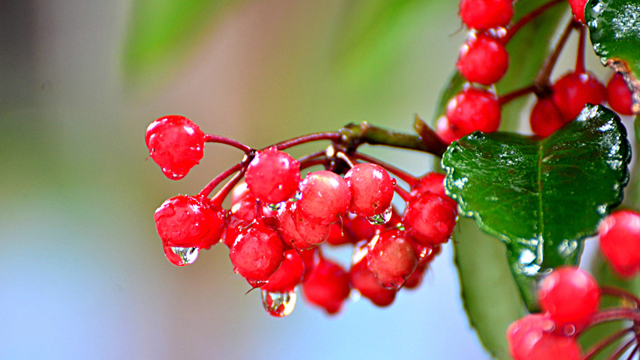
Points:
(223, 140)
(593, 352)
(542, 80)
(529, 17)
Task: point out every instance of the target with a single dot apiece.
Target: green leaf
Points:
(162, 31)
(541, 196)
(614, 28)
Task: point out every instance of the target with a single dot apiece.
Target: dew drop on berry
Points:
(279, 304)
(181, 256)
(381, 219)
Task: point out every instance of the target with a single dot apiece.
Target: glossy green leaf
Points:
(541, 196)
(161, 32)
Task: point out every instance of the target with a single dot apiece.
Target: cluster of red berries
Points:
(620, 241)
(277, 220)
(484, 60)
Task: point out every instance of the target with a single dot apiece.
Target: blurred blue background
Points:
(82, 272)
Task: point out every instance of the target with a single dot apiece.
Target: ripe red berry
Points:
(569, 295)
(288, 275)
(532, 338)
(619, 95)
(176, 144)
(443, 129)
(430, 219)
(359, 227)
(325, 196)
(339, 235)
(257, 252)
(545, 118)
(298, 231)
(366, 283)
(574, 90)
(486, 14)
(415, 279)
(327, 286)
(473, 110)
(431, 182)
(577, 8)
(620, 241)
(190, 221)
(273, 176)
(483, 59)
(391, 258)
(371, 189)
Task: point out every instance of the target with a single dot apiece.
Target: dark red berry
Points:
(391, 258)
(298, 231)
(359, 227)
(339, 235)
(371, 189)
(325, 196)
(620, 241)
(569, 295)
(430, 219)
(257, 252)
(619, 95)
(577, 8)
(532, 338)
(327, 286)
(176, 144)
(431, 182)
(483, 59)
(574, 90)
(273, 176)
(366, 283)
(288, 275)
(473, 110)
(415, 279)
(486, 14)
(545, 118)
(190, 221)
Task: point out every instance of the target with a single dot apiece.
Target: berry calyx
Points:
(430, 219)
(176, 144)
(532, 338)
(273, 176)
(574, 90)
(620, 241)
(371, 189)
(545, 118)
(257, 252)
(483, 59)
(486, 14)
(473, 110)
(619, 95)
(325, 196)
(190, 221)
(569, 295)
(391, 258)
(327, 286)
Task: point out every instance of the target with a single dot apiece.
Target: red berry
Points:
(371, 189)
(366, 283)
(545, 118)
(415, 279)
(391, 258)
(339, 235)
(298, 231)
(443, 129)
(310, 258)
(288, 275)
(574, 90)
(532, 338)
(359, 227)
(431, 182)
(430, 219)
(239, 192)
(257, 252)
(327, 286)
(190, 221)
(619, 95)
(273, 176)
(176, 144)
(620, 241)
(577, 8)
(325, 196)
(486, 14)
(569, 295)
(473, 110)
(483, 59)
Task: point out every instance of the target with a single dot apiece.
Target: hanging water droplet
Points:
(569, 330)
(180, 256)
(381, 219)
(279, 304)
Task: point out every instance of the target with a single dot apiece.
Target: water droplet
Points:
(180, 256)
(569, 330)
(381, 219)
(279, 304)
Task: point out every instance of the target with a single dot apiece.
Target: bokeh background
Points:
(82, 271)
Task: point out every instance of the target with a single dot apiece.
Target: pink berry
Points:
(325, 196)
(577, 8)
(273, 176)
(620, 241)
(298, 231)
(574, 90)
(443, 129)
(532, 338)
(483, 59)
(391, 258)
(619, 95)
(190, 221)
(176, 144)
(257, 252)
(486, 14)
(366, 283)
(371, 189)
(569, 295)
(288, 275)
(473, 110)
(430, 219)
(545, 118)
(327, 286)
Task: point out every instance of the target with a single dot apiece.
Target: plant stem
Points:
(635, 350)
(402, 192)
(606, 342)
(226, 189)
(223, 140)
(613, 315)
(580, 67)
(429, 137)
(516, 94)
(355, 135)
(402, 175)
(333, 136)
(621, 350)
(620, 293)
(218, 179)
(542, 82)
(527, 18)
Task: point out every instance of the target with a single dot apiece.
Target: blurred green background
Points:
(82, 272)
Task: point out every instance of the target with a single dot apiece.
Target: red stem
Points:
(621, 350)
(613, 315)
(515, 94)
(620, 293)
(228, 187)
(402, 192)
(312, 162)
(635, 350)
(406, 177)
(580, 66)
(530, 16)
(606, 342)
(344, 157)
(333, 136)
(223, 140)
(542, 80)
(218, 179)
